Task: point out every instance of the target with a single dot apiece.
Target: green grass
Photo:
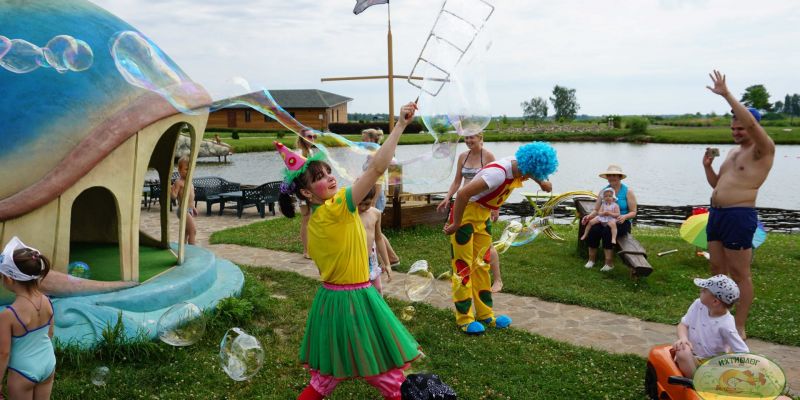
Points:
(553, 271)
(509, 364)
(254, 141)
(103, 260)
(716, 135)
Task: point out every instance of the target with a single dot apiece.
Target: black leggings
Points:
(600, 231)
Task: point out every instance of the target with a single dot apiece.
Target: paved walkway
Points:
(573, 324)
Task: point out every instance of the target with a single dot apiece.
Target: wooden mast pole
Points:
(391, 67)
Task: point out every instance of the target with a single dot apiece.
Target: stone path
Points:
(568, 323)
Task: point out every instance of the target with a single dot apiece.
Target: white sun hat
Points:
(7, 266)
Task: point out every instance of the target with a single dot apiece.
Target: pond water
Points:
(660, 174)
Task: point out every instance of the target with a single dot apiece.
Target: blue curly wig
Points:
(537, 159)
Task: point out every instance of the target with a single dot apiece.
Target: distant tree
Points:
(777, 107)
(564, 103)
(757, 96)
(535, 109)
(794, 106)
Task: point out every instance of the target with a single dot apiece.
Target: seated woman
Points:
(627, 210)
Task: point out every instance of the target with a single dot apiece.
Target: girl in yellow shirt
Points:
(350, 332)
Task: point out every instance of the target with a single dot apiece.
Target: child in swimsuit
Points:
(177, 194)
(350, 331)
(26, 326)
(378, 256)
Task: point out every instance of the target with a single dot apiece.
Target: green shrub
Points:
(638, 125)
(235, 135)
(280, 135)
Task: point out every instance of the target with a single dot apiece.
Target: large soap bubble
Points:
(22, 57)
(349, 159)
(79, 269)
(240, 355)
(469, 110)
(5, 45)
(65, 53)
(142, 64)
(532, 227)
(419, 281)
(182, 325)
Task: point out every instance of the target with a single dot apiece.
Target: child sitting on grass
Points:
(378, 255)
(708, 329)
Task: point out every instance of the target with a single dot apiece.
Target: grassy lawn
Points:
(103, 260)
(509, 364)
(553, 271)
(251, 142)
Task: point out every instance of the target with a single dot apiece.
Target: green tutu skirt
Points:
(354, 333)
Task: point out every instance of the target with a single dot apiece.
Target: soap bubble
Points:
(419, 281)
(182, 325)
(408, 313)
(348, 159)
(142, 64)
(100, 375)
(22, 57)
(530, 231)
(5, 45)
(65, 53)
(240, 355)
(469, 110)
(508, 236)
(446, 276)
(79, 269)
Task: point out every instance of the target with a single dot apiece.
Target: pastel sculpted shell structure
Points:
(76, 145)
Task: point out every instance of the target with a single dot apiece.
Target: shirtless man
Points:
(732, 219)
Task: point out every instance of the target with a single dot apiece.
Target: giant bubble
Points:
(240, 354)
(182, 325)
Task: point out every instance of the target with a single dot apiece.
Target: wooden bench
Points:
(632, 253)
(208, 189)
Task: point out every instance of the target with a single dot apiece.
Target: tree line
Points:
(565, 104)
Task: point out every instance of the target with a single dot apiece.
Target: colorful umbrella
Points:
(693, 230)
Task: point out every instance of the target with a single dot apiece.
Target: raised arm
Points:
(382, 157)
(764, 144)
(711, 176)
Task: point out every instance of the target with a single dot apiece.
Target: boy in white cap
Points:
(708, 328)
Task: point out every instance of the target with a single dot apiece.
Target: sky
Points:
(622, 57)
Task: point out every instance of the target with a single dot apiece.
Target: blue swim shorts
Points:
(733, 226)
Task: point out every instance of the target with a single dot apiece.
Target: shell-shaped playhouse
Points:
(78, 140)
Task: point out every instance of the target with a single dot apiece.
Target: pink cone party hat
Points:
(294, 162)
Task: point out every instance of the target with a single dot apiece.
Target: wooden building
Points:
(311, 107)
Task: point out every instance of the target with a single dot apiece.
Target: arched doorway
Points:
(95, 233)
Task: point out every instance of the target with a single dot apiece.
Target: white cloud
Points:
(623, 57)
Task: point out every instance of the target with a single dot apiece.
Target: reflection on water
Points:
(660, 174)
